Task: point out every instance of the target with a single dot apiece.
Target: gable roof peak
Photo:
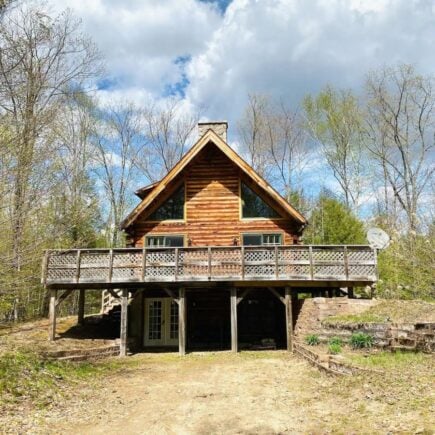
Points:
(211, 136)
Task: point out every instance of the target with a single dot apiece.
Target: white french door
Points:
(161, 322)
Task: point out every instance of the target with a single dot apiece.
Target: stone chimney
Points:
(219, 127)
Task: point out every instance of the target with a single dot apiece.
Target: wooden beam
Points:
(182, 321)
(171, 294)
(243, 295)
(234, 337)
(275, 292)
(289, 318)
(113, 293)
(78, 260)
(52, 316)
(63, 296)
(81, 311)
(124, 323)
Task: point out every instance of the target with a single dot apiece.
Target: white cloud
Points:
(286, 48)
(290, 47)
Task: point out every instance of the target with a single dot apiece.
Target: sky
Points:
(213, 53)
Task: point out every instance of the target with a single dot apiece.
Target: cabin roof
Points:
(143, 192)
(151, 192)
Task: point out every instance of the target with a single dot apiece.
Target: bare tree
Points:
(168, 130)
(401, 127)
(274, 139)
(253, 129)
(119, 146)
(74, 196)
(335, 121)
(41, 60)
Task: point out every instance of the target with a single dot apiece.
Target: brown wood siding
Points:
(212, 207)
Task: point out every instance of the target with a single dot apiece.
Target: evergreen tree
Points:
(331, 222)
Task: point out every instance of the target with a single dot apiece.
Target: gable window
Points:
(258, 239)
(253, 206)
(175, 241)
(172, 209)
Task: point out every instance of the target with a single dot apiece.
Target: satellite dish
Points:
(378, 238)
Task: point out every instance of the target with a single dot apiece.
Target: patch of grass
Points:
(336, 341)
(395, 311)
(361, 340)
(312, 340)
(391, 360)
(334, 348)
(399, 311)
(359, 319)
(24, 375)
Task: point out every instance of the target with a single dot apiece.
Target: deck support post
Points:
(289, 318)
(182, 321)
(81, 308)
(350, 294)
(124, 323)
(234, 335)
(52, 315)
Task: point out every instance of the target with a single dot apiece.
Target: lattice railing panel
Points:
(215, 263)
(329, 271)
(62, 267)
(260, 263)
(226, 263)
(195, 264)
(160, 265)
(359, 255)
(296, 271)
(294, 255)
(328, 255)
(127, 266)
(362, 271)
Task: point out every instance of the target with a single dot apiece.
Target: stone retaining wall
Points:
(412, 337)
(83, 354)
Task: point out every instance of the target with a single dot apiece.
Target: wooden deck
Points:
(132, 267)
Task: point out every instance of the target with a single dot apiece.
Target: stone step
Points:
(403, 349)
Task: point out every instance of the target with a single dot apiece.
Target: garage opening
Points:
(261, 321)
(208, 320)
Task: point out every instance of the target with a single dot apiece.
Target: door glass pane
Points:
(155, 320)
(174, 321)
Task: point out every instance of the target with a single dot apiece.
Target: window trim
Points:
(164, 235)
(183, 183)
(262, 233)
(279, 218)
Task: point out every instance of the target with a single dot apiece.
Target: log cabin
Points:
(214, 260)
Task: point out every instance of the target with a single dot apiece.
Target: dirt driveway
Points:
(263, 392)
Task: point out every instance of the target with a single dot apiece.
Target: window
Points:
(253, 206)
(261, 239)
(173, 208)
(174, 241)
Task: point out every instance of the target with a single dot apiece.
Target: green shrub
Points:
(312, 340)
(336, 341)
(360, 340)
(334, 348)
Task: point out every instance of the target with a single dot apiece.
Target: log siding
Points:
(212, 208)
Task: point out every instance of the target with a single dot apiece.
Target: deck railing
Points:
(229, 263)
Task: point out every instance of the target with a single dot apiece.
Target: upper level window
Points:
(171, 240)
(253, 206)
(258, 239)
(171, 209)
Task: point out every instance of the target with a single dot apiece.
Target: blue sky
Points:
(212, 53)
